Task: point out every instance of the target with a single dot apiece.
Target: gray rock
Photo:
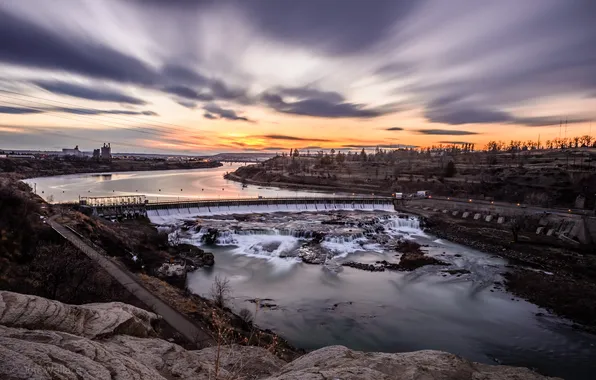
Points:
(248, 362)
(45, 355)
(90, 320)
(338, 362)
(48, 355)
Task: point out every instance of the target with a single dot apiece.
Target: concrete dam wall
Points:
(160, 213)
(565, 224)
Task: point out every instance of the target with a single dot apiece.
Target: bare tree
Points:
(62, 271)
(516, 224)
(246, 316)
(221, 291)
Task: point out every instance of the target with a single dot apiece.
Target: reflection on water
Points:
(156, 185)
(386, 311)
(392, 311)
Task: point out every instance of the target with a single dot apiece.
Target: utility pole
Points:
(566, 127)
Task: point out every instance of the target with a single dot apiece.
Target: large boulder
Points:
(49, 355)
(338, 362)
(82, 346)
(90, 320)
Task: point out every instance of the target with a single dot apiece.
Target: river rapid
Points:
(313, 305)
(433, 307)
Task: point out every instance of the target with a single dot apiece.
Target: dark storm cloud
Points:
(223, 113)
(25, 43)
(78, 91)
(446, 132)
(291, 138)
(394, 129)
(329, 26)
(18, 110)
(321, 106)
(207, 115)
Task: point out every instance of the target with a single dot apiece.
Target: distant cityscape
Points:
(104, 153)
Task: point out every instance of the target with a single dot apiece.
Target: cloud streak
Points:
(89, 93)
(445, 132)
(293, 138)
(325, 105)
(72, 110)
(214, 110)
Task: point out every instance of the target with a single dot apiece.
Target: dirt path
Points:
(175, 319)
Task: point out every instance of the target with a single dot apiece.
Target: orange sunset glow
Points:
(255, 77)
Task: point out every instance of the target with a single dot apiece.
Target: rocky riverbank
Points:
(558, 279)
(56, 351)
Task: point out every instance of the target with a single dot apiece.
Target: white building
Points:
(72, 152)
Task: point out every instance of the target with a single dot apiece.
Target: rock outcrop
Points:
(338, 362)
(31, 353)
(90, 320)
(49, 355)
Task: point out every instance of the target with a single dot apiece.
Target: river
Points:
(161, 185)
(312, 306)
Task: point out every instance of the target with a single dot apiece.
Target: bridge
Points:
(114, 207)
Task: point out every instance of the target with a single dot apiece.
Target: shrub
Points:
(221, 291)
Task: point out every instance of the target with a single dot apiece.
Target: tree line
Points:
(585, 141)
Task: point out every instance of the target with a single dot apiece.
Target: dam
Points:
(114, 207)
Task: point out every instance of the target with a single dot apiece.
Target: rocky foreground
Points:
(43, 339)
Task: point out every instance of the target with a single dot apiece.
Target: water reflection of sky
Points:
(156, 185)
(404, 311)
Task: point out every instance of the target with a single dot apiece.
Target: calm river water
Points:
(156, 185)
(383, 311)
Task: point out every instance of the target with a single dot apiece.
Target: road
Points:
(174, 318)
(513, 206)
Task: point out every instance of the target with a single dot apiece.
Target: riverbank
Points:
(35, 260)
(331, 187)
(540, 181)
(560, 279)
(29, 168)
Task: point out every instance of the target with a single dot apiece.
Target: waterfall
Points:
(169, 215)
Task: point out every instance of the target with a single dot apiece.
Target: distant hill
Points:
(242, 157)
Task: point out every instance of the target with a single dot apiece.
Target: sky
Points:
(210, 76)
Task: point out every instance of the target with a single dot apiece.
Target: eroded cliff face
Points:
(108, 341)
